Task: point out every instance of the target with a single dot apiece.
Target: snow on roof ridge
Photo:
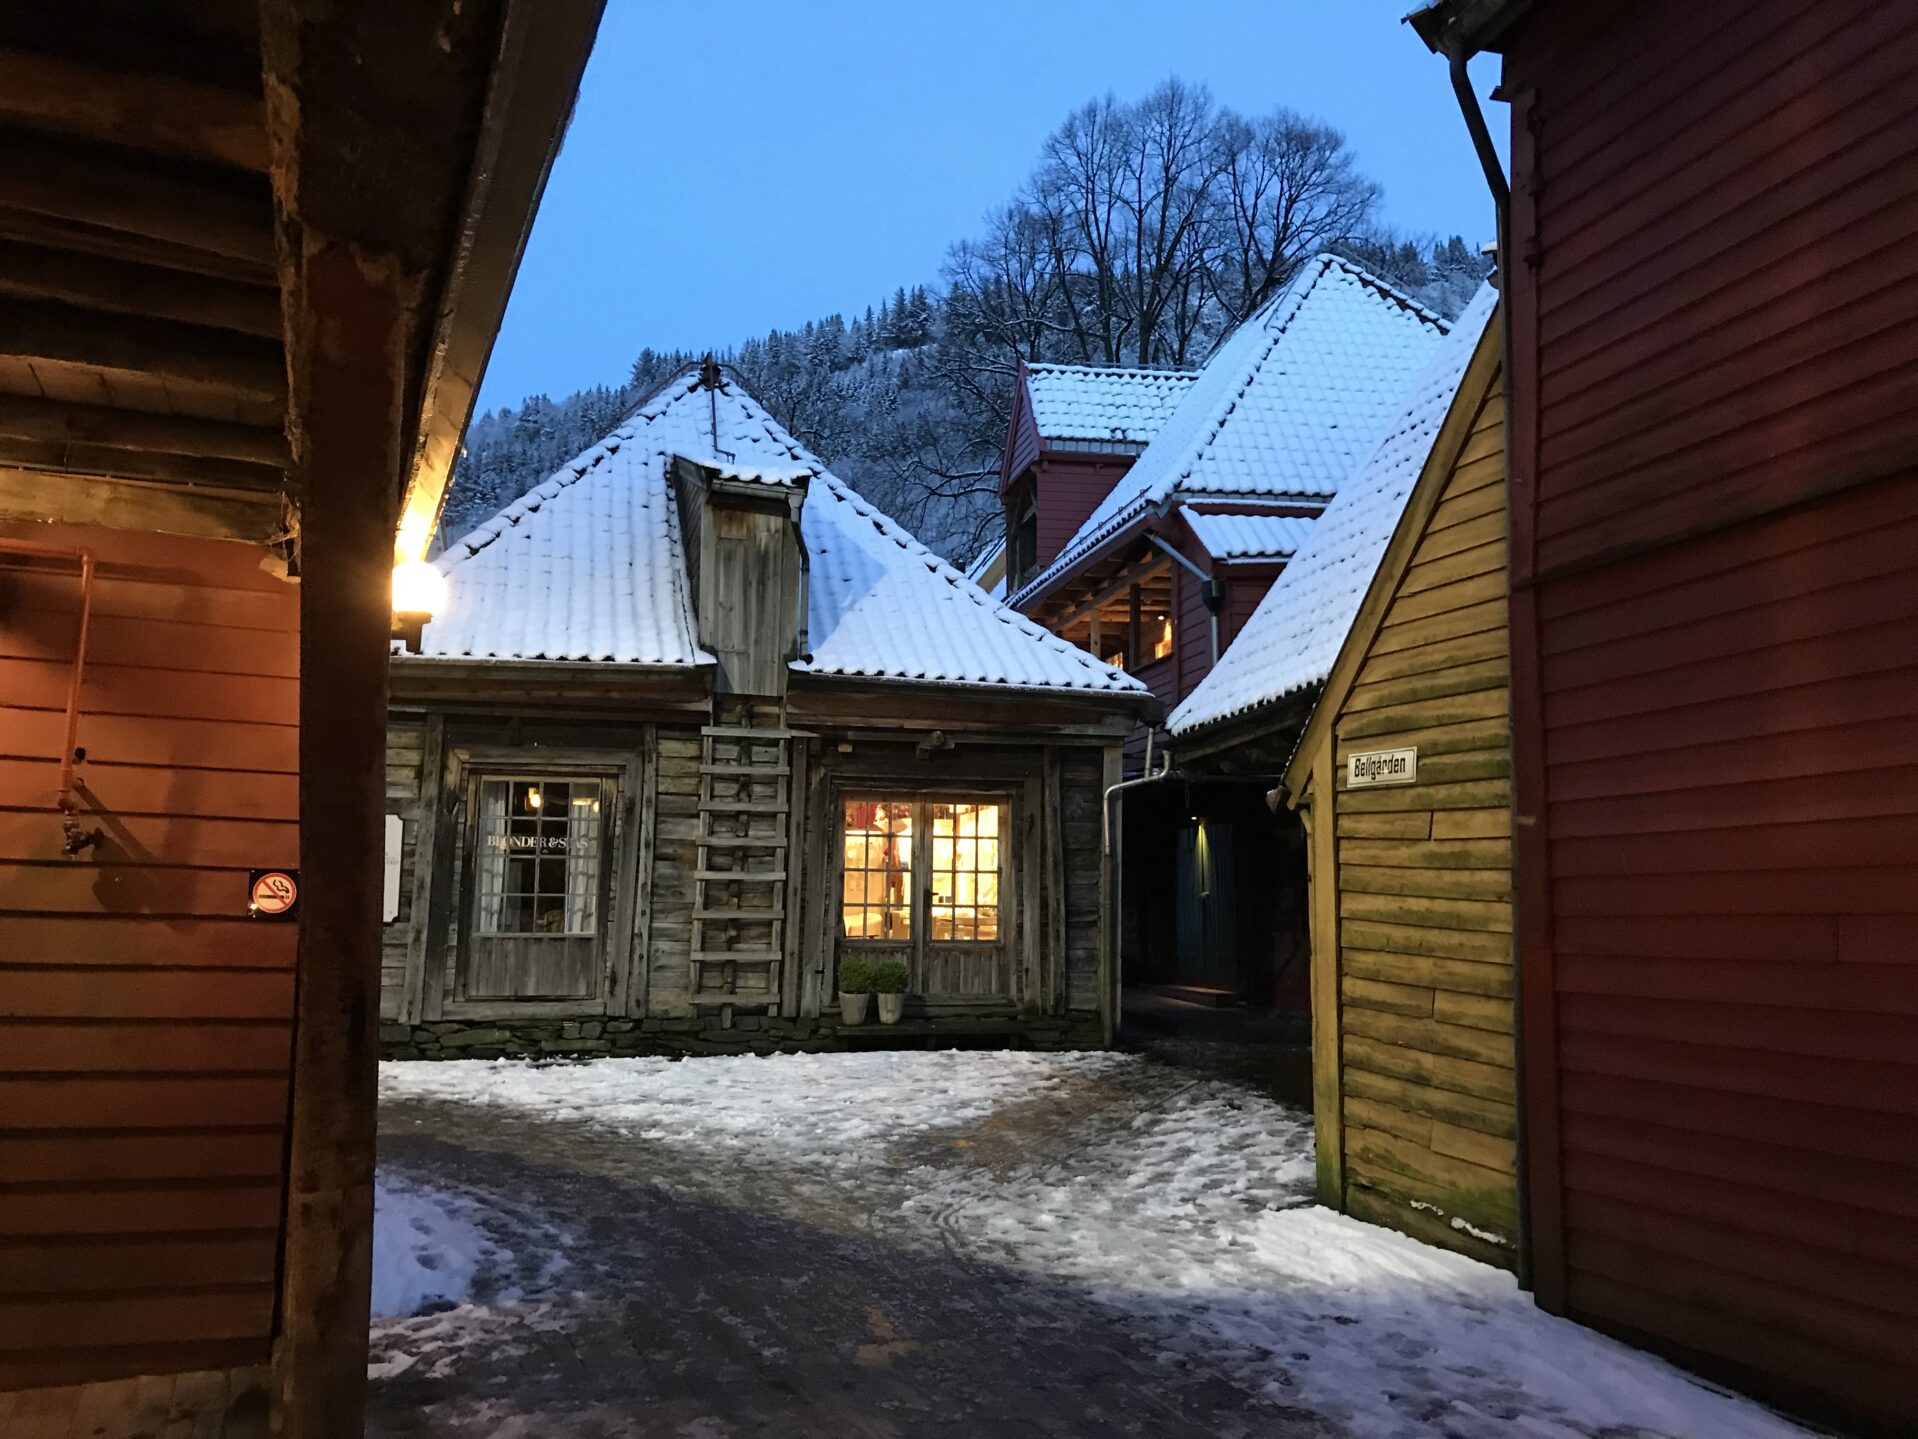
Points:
(1319, 592)
(1149, 372)
(1274, 320)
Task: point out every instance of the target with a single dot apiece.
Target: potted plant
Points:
(855, 989)
(889, 983)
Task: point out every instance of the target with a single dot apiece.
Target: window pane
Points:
(537, 856)
(876, 857)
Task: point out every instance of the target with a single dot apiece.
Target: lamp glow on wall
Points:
(419, 593)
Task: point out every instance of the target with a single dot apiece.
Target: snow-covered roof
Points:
(1293, 638)
(589, 566)
(1247, 536)
(1103, 402)
(1288, 406)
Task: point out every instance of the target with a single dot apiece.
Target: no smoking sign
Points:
(273, 893)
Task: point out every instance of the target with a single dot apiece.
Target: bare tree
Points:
(1290, 189)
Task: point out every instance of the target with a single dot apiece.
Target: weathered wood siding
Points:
(1423, 879)
(1053, 916)
(405, 746)
(145, 1019)
(669, 945)
(1716, 682)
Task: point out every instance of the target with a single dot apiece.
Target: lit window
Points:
(1162, 640)
(538, 856)
(965, 872)
(876, 901)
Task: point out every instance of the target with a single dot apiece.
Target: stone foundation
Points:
(705, 1034)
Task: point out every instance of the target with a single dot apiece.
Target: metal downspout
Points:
(76, 838)
(1211, 590)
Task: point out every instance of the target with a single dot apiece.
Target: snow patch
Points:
(426, 1247)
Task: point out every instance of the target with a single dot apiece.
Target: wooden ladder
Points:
(744, 876)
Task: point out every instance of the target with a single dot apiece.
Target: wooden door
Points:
(538, 887)
(924, 881)
(964, 954)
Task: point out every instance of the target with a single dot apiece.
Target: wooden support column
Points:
(347, 364)
(1322, 868)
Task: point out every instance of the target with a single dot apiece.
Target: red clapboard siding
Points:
(95, 1264)
(148, 740)
(1071, 487)
(145, 1020)
(1723, 269)
(125, 1155)
(83, 939)
(145, 1048)
(113, 790)
(49, 634)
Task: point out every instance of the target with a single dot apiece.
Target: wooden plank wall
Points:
(1733, 830)
(1424, 887)
(145, 1020)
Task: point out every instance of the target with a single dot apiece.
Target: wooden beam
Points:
(25, 417)
(141, 111)
(40, 272)
(347, 358)
(132, 505)
(183, 204)
(62, 458)
(238, 365)
(1136, 573)
(71, 235)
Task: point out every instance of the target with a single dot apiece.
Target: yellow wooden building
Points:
(1402, 774)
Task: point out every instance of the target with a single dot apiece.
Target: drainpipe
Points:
(1112, 850)
(77, 839)
(1211, 590)
(1458, 55)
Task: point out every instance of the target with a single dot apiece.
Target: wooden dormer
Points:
(747, 563)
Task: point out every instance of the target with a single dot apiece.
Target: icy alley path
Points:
(941, 1243)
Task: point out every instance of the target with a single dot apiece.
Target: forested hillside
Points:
(1144, 234)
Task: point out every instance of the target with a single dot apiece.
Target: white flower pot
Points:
(853, 1007)
(892, 1008)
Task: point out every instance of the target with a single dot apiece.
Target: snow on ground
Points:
(426, 1247)
(813, 1111)
(1183, 1204)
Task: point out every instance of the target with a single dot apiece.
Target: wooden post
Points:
(1327, 1075)
(1134, 638)
(348, 391)
(1111, 923)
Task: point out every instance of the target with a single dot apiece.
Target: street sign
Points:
(1382, 767)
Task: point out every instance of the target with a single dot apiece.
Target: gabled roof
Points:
(1287, 407)
(1103, 402)
(1293, 638)
(1247, 536)
(589, 566)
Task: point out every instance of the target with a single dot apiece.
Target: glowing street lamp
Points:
(419, 593)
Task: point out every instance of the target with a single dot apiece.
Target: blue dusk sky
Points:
(735, 165)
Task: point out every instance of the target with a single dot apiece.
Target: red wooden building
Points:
(238, 341)
(1153, 555)
(1714, 631)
